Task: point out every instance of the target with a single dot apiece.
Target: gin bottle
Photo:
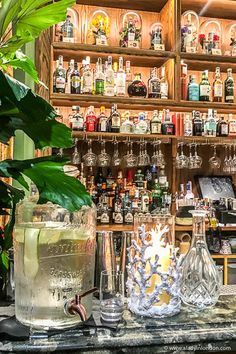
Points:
(121, 79)
(188, 126)
(99, 78)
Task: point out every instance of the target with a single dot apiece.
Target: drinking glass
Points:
(181, 159)
(116, 160)
(226, 162)
(76, 159)
(191, 162)
(196, 158)
(143, 158)
(233, 169)
(161, 158)
(214, 161)
(90, 158)
(112, 296)
(154, 158)
(104, 159)
(130, 159)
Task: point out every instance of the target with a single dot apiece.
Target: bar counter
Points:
(213, 331)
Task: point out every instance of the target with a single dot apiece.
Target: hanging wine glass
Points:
(181, 159)
(130, 159)
(191, 162)
(196, 158)
(104, 159)
(76, 158)
(116, 160)
(215, 161)
(90, 158)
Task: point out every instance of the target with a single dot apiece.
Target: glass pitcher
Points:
(200, 282)
(54, 264)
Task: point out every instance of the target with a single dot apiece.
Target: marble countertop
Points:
(188, 332)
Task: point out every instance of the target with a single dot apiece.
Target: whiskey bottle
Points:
(217, 87)
(60, 76)
(81, 72)
(198, 127)
(204, 87)
(102, 120)
(121, 79)
(117, 208)
(229, 87)
(222, 127)
(137, 88)
(99, 78)
(88, 78)
(156, 123)
(76, 119)
(114, 120)
(75, 81)
(154, 86)
(109, 79)
(163, 84)
(91, 120)
(167, 127)
(193, 89)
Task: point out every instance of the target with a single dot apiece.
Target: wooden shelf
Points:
(121, 136)
(138, 57)
(204, 106)
(115, 227)
(225, 9)
(200, 62)
(223, 256)
(146, 5)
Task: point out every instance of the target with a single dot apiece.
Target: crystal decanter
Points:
(200, 282)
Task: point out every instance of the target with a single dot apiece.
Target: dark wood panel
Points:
(203, 61)
(212, 8)
(147, 5)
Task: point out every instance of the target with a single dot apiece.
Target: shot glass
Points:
(112, 296)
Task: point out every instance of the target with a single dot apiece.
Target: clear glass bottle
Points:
(211, 124)
(200, 283)
(99, 78)
(163, 84)
(68, 75)
(102, 120)
(156, 123)
(193, 89)
(232, 125)
(142, 124)
(60, 76)
(137, 88)
(188, 126)
(121, 79)
(76, 119)
(229, 87)
(217, 87)
(154, 85)
(109, 79)
(67, 30)
(128, 74)
(204, 87)
(87, 78)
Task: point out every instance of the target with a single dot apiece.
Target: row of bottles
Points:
(209, 125)
(218, 91)
(116, 122)
(107, 79)
(118, 199)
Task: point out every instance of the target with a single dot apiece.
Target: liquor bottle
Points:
(204, 87)
(142, 124)
(121, 79)
(189, 193)
(211, 124)
(127, 208)
(117, 208)
(137, 88)
(75, 80)
(105, 214)
(188, 126)
(193, 89)
(162, 179)
(90, 120)
(88, 78)
(115, 69)
(145, 199)
(126, 123)
(114, 120)
(217, 87)
(128, 74)
(99, 78)
(222, 127)
(68, 75)
(76, 119)
(99, 180)
(81, 72)
(156, 123)
(229, 87)
(164, 84)
(188, 34)
(198, 126)
(54, 76)
(60, 76)
(131, 31)
(232, 125)
(136, 203)
(154, 86)
(183, 81)
(109, 79)
(167, 127)
(156, 197)
(102, 123)
(67, 30)
(139, 179)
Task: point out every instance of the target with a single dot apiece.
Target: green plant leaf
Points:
(4, 259)
(14, 43)
(8, 10)
(9, 195)
(48, 175)
(22, 109)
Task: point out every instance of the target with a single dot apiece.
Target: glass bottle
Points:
(163, 84)
(109, 79)
(189, 34)
(142, 124)
(222, 127)
(115, 69)
(87, 78)
(204, 87)
(75, 82)
(200, 283)
(229, 87)
(60, 76)
(167, 128)
(121, 79)
(68, 75)
(91, 120)
(217, 87)
(99, 78)
(198, 126)
(137, 88)
(232, 125)
(67, 30)
(193, 89)
(54, 76)
(128, 74)
(76, 119)
(156, 123)
(211, 124)
(81, 72)
(114, 120)
(117, 208)
(102, 120)
(154, 85)
(183, 79)
(188, 126)
(127, 209)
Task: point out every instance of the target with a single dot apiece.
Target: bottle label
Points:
(229, 92)
(145, 204)
(164, 90)
(156, 128)
(218, 90)
(118, 218)
(90, 125)
(155, 87)
(77, 124)
(131, 36)
(60, 82)
(99, 86)
(115, 121)
(103, 126)
(75, 81)
(205, 90)
(104, 218)
(87, 84)
(224, 129)
(232, 127)
(193, 93)
(129, 219)
(120, 84)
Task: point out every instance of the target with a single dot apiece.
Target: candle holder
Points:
(153, 269)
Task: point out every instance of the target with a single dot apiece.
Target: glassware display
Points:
(156, 37)
(189, 31)
(90, 159)
(130, 34)
(210, 37)
(200, 282)
(54, 258)
(153, 270)
(214, 161)
(99, 28)
(137, 88)
(103, 159)
(181, 159)
(76, 158)
(116, 160)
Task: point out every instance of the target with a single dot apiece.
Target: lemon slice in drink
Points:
(31, 264)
